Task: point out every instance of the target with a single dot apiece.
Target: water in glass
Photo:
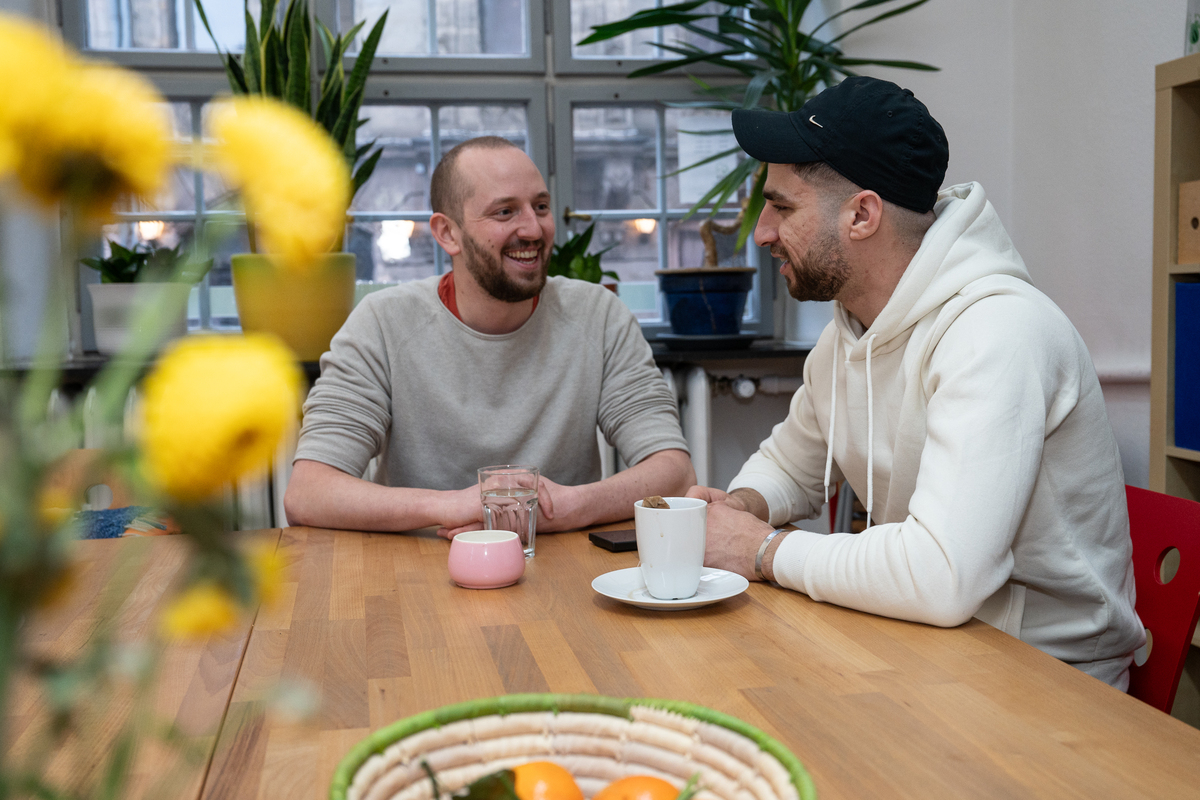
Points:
(512, 510)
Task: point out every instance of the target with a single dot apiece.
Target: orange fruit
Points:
(638, 787)
(542, 780)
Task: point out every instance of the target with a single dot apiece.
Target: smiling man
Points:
(956, 399)
(492, 363)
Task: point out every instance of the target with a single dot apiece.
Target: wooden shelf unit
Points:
(1174, 470)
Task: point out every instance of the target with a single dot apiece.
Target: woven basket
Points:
(597, 739)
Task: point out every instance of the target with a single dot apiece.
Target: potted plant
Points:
(304, 307)
(771, 63)
(135, 277)
(572, 260)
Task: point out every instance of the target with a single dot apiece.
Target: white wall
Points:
(1050, 105)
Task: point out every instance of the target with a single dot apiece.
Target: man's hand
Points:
(560, 508)
(711, 495)
(733, 538)
(459, 510)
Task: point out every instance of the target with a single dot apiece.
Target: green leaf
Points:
(298, 91)
(863, 62)
(252, 58)
(341, 128)
(356, 83)
(495, 786)
(648, 18)
(266, 18)
(364, 171)
(754, 207)
(274, 65)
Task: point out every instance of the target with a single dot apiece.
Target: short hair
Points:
(447, 189)
(833, 189)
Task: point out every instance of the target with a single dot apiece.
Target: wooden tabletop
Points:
(372, 624)
(873, 707)
(119, 586)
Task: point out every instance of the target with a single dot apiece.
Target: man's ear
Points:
(868, 214)
(447, 233)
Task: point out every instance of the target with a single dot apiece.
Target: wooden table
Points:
(873, 707)
(195, 681)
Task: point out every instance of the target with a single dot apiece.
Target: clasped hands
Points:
(559, 509)
(734, 531)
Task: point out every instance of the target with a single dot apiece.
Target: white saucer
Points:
(627, 586)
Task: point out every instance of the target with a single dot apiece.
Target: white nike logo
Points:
(813, 120)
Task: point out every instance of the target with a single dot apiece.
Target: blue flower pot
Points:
(706, 302)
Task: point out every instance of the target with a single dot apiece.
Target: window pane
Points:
(459, 123)
(461, 27)
(634, 257)
(223, 308)
(614, 154)
(179, 193)
(637, 44)
(392, 251)
(684, 148)
(587, 13)
(163, 24)
(401, 178)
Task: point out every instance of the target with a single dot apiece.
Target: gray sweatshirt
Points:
(405, 379)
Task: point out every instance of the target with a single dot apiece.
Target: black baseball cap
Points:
(871, 131)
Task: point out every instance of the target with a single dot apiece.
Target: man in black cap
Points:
(955, 398)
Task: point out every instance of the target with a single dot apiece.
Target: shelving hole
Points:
(1195, 223)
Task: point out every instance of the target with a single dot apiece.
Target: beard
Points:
(820, 272)
(488, 271)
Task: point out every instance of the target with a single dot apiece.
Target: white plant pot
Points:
(114, 307)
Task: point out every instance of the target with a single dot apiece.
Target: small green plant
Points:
(572, 260)
(144, 263)
(278, 63)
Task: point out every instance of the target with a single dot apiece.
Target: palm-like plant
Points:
(277, 63)
(779, 65)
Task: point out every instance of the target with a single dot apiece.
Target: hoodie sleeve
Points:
(1003, 375)
(789, 468)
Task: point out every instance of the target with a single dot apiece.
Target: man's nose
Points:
(527, 224)
(765, 232)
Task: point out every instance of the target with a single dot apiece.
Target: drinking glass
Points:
(510, 501)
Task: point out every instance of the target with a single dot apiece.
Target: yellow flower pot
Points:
(304, 308)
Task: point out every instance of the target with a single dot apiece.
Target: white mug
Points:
(671, 546)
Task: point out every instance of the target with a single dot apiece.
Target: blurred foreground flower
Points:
(215, 409)
(33, 66)
(270, 571)
(202, 609)
(85, 134)
(294, 182)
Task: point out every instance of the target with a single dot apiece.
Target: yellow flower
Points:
(269, 569)
(202, 609)
(294, 181)
(215, 409)
(103, 135)
(34, 67)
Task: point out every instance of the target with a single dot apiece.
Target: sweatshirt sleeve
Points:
(997, 382)
(789, 468)
(349, 409)
(637, 413)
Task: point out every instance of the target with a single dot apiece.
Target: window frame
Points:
(645, 92)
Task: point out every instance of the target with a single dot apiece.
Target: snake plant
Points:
(278, 63)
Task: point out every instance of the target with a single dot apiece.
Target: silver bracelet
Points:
(762, 551)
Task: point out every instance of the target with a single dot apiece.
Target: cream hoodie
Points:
(969, 419)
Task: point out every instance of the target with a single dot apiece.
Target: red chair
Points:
(1159, 523)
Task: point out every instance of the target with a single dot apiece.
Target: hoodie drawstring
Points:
(870, 435)
(837, 353)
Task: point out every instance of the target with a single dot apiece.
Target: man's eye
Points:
(503, 212)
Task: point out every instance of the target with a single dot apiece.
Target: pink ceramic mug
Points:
(486, 559)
